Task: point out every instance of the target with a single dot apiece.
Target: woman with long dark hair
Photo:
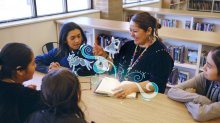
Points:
(69, 53)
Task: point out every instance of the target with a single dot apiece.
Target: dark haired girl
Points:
(61, 92)
(16, 66)
(71, 38)
(201, 94)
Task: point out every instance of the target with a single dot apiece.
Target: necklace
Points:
(133, 63)
(137, 60)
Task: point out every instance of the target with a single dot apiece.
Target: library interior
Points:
(111, 61)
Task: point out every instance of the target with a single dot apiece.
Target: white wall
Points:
(35, 35)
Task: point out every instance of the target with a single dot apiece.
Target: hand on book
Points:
(124, 89)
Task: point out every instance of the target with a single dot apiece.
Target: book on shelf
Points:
(203, 58)
(183, 76)
(192, 56)
(106, 86)
(217, 6)
(173, 78)
(177, 53)
(187, 24)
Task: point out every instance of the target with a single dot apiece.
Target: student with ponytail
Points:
(16, 66)
(62, 94)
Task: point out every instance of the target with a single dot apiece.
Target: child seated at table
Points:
(61, 92)
(17, 66)
(201, 94)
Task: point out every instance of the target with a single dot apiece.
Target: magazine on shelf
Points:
(106, 86)
(183, 76)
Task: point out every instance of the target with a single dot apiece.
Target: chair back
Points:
(49, 46)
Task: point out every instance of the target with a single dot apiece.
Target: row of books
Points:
(168, 22)
(203, 5)
(182, 55)
(177, 76)
(203, 26)
(200, 26)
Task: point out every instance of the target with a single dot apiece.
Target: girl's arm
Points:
(43, 61)
(204, 112)
(178, 92)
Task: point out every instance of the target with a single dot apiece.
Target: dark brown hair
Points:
(13, 57)
(61, 92)
(216, 57)
(144, 20)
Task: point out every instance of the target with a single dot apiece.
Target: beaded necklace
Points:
(133, 63)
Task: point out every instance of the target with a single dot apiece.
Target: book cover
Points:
(192, 56)
(106, 86)
(187, 24)
(183, 76)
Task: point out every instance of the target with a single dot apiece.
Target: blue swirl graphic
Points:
(137, 76)
(100, 61)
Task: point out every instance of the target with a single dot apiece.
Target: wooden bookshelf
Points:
(181, 16)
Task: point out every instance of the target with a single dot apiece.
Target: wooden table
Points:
(160, 109)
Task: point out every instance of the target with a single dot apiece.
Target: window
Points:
(11, 10)
(48, 7)
(15, 9)
(72, 5)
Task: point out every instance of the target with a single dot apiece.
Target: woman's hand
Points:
(53, 66)
(125, 89)
(99, 51)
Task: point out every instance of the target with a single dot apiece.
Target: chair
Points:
(49, 46)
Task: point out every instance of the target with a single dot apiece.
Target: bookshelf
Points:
(204, 5)
(199, 42)
(183, 19)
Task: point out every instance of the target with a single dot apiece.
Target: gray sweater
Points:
(205, 103)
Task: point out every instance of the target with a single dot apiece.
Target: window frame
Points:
(137, 1)
(34, 12)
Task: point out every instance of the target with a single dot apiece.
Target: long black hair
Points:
(216, 57)
(61, 92)
(13, 57)
(66, 28)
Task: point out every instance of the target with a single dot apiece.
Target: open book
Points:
(106, 86)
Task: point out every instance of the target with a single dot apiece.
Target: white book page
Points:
(107, 85)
